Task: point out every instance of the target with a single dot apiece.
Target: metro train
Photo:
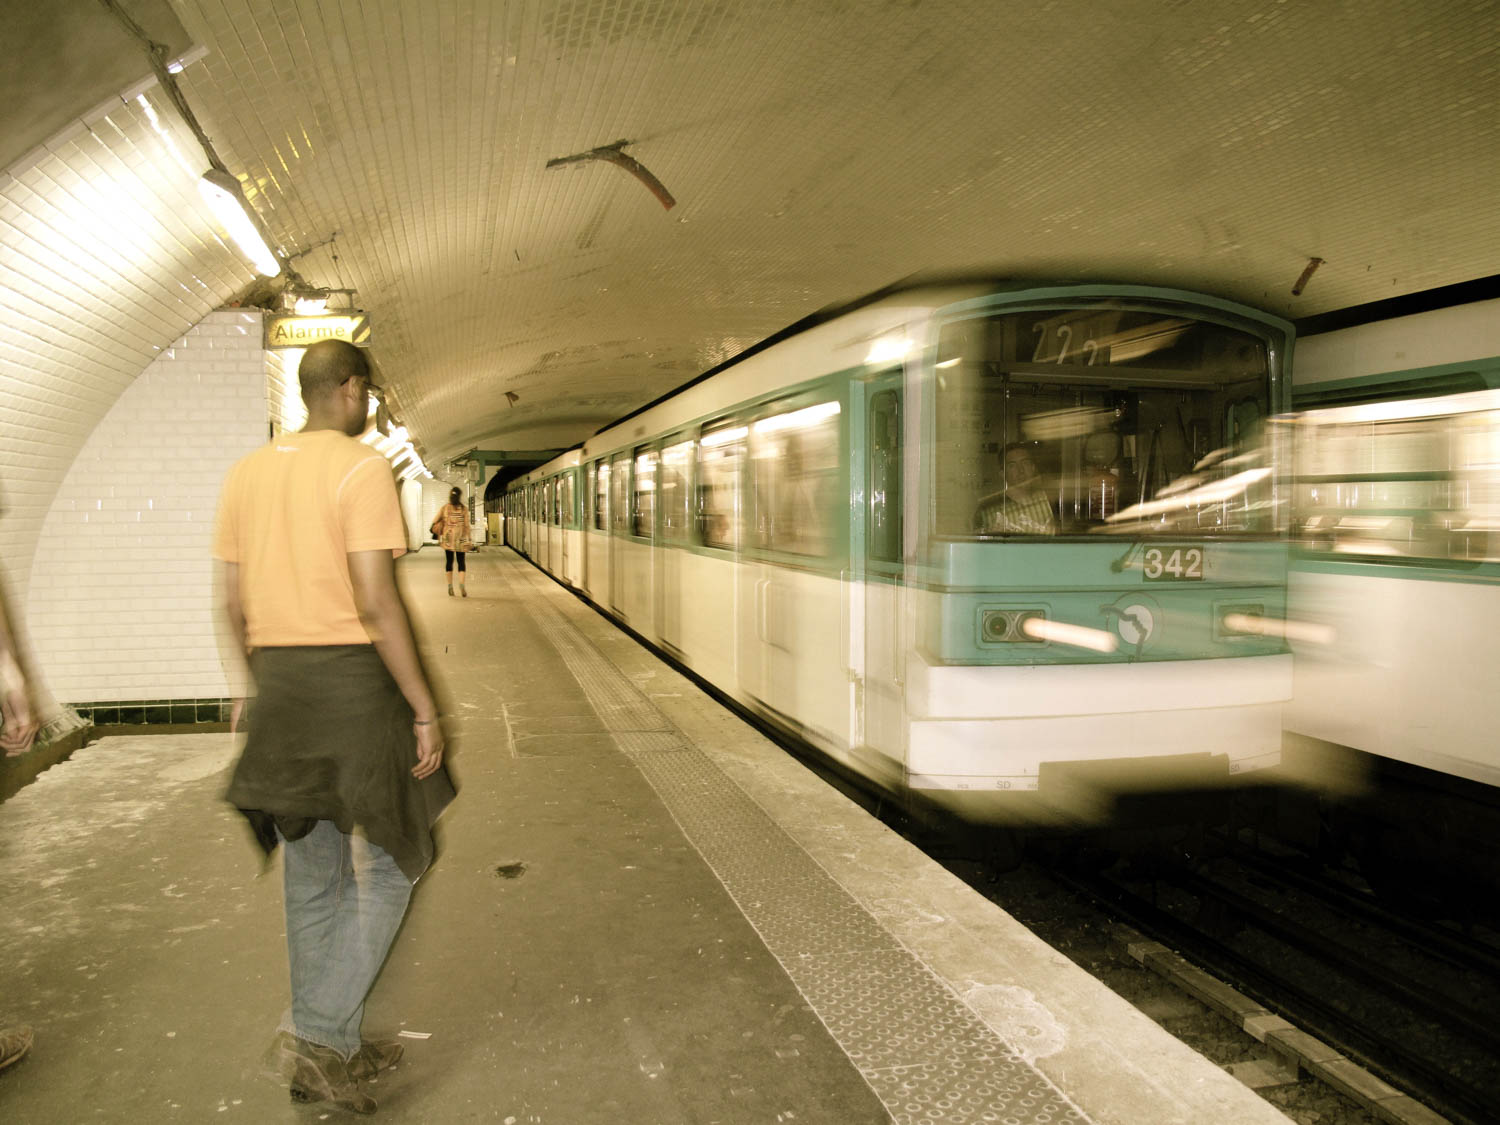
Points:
(1012, 549)
(1396, 438)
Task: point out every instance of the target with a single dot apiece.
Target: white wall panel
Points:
(122, 599)
(107, 255)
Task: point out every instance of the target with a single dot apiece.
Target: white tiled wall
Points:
(121, 597)
(412, 507)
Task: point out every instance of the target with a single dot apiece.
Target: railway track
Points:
(1410, 1001)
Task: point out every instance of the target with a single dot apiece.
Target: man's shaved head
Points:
(327, 365)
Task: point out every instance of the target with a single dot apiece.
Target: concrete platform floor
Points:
(643, 912)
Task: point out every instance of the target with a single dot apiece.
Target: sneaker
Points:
(14, 1043)
(375, 1056)
(464, 590)
(317, 1074)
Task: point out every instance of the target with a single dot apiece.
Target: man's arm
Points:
(15, 696)
(229, 575)
(234, 662)
(384, 616)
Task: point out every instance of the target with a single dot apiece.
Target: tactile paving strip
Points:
(925, 1053)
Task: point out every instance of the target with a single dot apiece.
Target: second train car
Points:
(1009, 548)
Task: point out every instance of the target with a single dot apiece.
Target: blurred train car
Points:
(1003, 548)
(1397, 510)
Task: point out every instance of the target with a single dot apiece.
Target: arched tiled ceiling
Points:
(817, 149)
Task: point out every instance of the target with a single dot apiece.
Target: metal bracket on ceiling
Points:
(1312, 266)
(614, 154)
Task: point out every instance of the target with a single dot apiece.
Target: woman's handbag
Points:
(437, 526)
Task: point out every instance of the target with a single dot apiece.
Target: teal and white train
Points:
(1397, 438)
(824, 529)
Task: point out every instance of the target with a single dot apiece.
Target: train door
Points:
(596, 533)
(882, 692)
(543, 502)
(619, 529)
(674, 511)
(724, 522)
(565, 521)
(642, 590)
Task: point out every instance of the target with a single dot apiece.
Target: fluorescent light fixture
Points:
(797, 419)
(1470, 402)
(679, 454)
(223, 194)
(723, 437)
(1215, 492)
(888, 349)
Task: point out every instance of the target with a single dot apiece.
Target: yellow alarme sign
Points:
(304, 331)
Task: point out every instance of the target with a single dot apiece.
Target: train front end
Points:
(1096, 580)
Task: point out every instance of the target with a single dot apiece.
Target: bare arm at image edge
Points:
(15, 697)
(384, 615)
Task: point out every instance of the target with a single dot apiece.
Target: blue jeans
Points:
(345, 898)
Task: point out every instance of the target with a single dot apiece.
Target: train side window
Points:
(567, 513)
(643, 504)
(884, 532)
(1401, 481)
(675, 487)
(721, 462)
(601, 495)
(794, 464)
(619, 494)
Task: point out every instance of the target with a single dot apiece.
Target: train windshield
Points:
(1100, 420)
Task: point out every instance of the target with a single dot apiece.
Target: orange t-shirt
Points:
(288, 516)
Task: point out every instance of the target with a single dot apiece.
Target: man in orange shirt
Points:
(343, 766)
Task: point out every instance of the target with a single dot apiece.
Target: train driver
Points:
(1022, 508)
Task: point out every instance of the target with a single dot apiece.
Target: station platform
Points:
(642, 912)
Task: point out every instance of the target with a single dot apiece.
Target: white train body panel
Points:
(1406, 670)
(1410, 674)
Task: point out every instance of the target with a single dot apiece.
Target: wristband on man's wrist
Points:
(426, 722)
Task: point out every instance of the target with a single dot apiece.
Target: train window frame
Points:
(1400, 481)
(682, 445)
(966, 485)
(599, 512)
(726, 430)
(620, 464)
(891, 499)
(565, 486)
(763, 537)
(638, 519)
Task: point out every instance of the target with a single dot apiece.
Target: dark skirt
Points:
(331, 738)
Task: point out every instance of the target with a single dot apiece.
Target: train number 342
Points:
(1172, 564)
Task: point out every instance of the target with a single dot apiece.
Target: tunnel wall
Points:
(120, 604)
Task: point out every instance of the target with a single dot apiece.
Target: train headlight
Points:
(1008, 626)
(1243, 619)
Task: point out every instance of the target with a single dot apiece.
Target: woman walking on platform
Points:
(452, 529)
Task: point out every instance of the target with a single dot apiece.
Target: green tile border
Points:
(155, 712)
